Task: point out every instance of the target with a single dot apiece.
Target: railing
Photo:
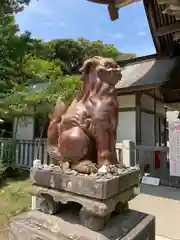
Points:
(144, 156)
(24, 152)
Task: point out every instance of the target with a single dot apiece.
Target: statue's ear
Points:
(86, 66)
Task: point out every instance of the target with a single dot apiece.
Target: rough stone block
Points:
(96, 187)
(92, 205)
(36, 225)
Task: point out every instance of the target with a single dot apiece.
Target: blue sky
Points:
(51, 19)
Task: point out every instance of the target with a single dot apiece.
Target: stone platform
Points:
(98, 194)
(94, 186)
(94, 213)
(36, 225)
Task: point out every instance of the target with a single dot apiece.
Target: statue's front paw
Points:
(54, 153)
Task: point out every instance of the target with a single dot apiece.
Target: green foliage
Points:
(73, 52)
(13, 49)
(24, 59)
(42, 69)
(23, 101)
(12, 6)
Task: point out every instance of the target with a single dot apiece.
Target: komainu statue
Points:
(85, 132)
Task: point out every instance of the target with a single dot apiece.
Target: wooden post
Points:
(128, 153)
(119, 147)
(35, 201)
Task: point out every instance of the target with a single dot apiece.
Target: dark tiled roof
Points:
(148, 72)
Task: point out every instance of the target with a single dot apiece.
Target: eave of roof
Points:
(146, 74)
(163, 25)
(118, 3)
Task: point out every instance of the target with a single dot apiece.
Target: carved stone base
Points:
(91, 221)
(99, 187)
(36, 225)
(94, 214)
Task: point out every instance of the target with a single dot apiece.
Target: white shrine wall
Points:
(127, 118)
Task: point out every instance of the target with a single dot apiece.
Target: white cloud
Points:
(141, 33)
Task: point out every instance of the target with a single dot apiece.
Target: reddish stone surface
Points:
(86, 130)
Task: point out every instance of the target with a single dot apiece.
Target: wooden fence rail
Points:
(24, 152)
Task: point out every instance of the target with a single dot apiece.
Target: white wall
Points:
(147, 102)
(127, 119)
(160, 108)
(147, 129)
(25, 128)
(127, 126)
(148, 125)
(127, 101)
(172, 115)
(147, 119)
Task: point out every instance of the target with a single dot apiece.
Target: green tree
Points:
(67, 51)
(24, 100)
(12, 6)
(72, 52)
(23, 58)
(35, 67)
(13, 49)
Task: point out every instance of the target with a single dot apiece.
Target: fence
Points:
(144, 156)
(23, 152)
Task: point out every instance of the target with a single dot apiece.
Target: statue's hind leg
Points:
(73, 145)
(53, 132)
(84, 166)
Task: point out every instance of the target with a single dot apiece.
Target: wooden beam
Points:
(115, 2)
(177, 16)
(173, 90)
(155, 117)
(176, 36)
(138, 118)
(168, 29)
(152, 24)
(100, 1)
(172, 9)
(167, 1)
(123, 3)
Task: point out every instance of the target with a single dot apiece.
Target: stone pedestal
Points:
(98, 196)
(94, 214)
(36, 225)
(93, 186)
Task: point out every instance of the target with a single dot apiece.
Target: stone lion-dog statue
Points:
(85, 132)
